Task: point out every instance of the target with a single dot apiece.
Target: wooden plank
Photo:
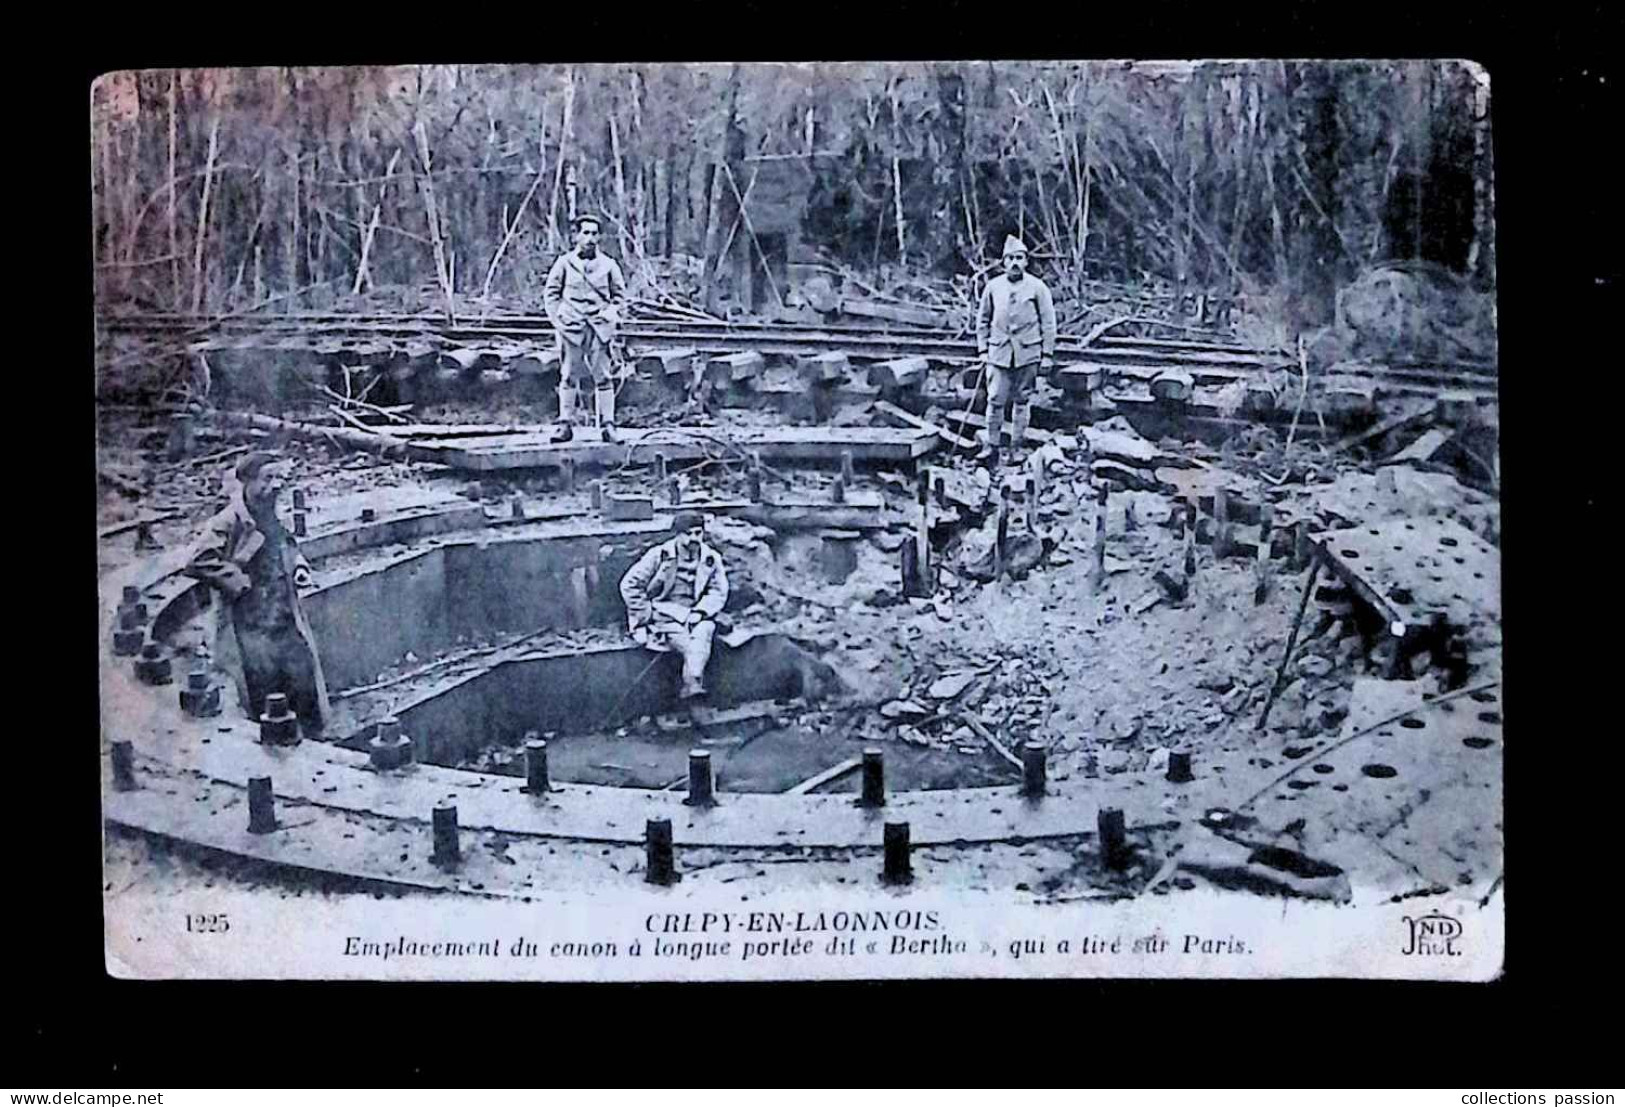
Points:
(826, 444)
(893, 313)
(1423, 449)
(829, 775)
(898, 417)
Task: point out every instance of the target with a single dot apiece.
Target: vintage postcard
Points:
(793, 521)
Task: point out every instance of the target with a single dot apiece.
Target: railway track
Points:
(397, 336)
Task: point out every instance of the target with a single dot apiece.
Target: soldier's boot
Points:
(567, 412)
(604, 401)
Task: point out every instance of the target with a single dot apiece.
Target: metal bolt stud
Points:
(701, 792)
(898, 867)
(1034, 771)
(448, 851)
(1113, 843)
(278, 725)
(261, 806)
(661, 864)
(874, 779)
(389, 748)
(536, 779)
(123, 756)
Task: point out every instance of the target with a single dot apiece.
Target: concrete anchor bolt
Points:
(1113, 843)
(1179, 767)
(199, 698)
(898, 868)
(261, 805)
(278, 725)
(448, 852)
(123, 754)
(154, 665)
(874, 779)
(1034, 770)
(536, 780)
(518, 505)
(661, 866)
(368, 515)
(389, 748)
(298, 524)
(700, 789)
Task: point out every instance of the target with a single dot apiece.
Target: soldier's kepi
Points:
(584, 297)
(261, 637)
(1015, 335)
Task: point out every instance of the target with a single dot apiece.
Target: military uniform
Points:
(1015, 334)
(663, 590)
(584, 298)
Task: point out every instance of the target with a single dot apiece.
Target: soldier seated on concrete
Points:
(673, 595)
(254, 565)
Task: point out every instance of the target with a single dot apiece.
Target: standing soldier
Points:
(254, 564)
(584, 297)
(1015, 334)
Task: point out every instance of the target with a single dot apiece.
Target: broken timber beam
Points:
(897, 417)
(829, 775)
(903, 372)
(379, 443)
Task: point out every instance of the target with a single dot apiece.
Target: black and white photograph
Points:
(666, 521)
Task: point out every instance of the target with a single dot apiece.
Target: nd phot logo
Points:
(1433, 935)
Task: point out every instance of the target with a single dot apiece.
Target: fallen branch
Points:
(987, 736)
(221, 456)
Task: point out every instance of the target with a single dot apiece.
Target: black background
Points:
(1555, 122)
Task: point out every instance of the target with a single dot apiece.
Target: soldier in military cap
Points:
(585, 297)
(1015, 335)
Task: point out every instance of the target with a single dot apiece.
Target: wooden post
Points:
(674, 492)
(598, 495)
(922, 536)
(1221, 524)
(1002, 535)
(660, 469)
(1190, 541)
(1031, 497)
(567, 474)
(1261, 566)
(1291, 642)
(1179, 767)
